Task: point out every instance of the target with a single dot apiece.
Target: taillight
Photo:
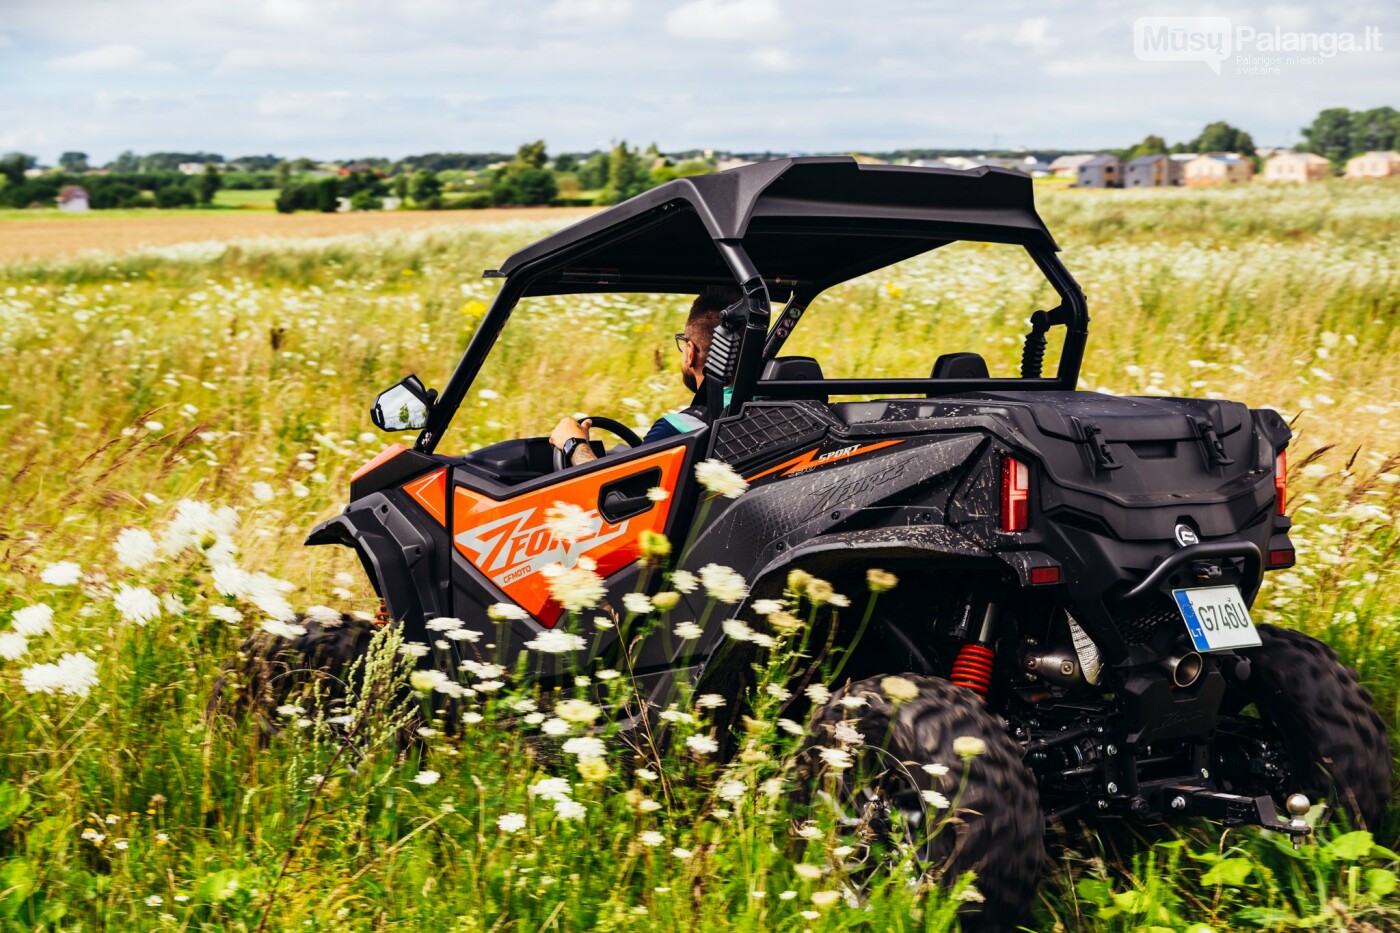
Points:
(1015, 495)
(1281, 480)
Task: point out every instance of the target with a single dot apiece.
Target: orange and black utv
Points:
(1077, 569)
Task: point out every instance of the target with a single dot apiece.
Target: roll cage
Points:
(782, 230)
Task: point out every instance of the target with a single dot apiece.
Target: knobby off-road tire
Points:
(995, 828)
(1337, 743)
(271, 670)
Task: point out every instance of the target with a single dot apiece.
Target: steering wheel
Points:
(607, 424)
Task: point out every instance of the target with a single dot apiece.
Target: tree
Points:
(1222, 137)
(565, 163)
(73, 161)
(401, 186)
(365, 200)
(125, 164)
(175, 196)
(13, 165)
(593, 173)
(1150, 145)
(327, 195)
(1339, 133)
(627, 177)
(209, 184)
(425, 188)
(532, 154)
(284, 174)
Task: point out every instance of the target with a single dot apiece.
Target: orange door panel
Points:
(509, 543)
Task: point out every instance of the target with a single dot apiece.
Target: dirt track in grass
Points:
(51, 237)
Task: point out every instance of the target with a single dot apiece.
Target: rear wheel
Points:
(1303, 722)
(981, 815)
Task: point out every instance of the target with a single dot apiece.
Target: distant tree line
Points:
(1339, 134)
(137, 189)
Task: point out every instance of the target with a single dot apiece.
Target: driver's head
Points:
(700, 331)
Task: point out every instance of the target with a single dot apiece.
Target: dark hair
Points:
(705, 313)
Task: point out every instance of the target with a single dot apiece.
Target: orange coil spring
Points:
(973, 668)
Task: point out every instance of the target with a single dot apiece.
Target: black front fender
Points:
(397, 557)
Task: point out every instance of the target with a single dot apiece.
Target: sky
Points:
(349, 78)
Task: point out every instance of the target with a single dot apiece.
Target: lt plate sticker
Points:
(1217, 618)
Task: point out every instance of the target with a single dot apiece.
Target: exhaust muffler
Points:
(1184, 669)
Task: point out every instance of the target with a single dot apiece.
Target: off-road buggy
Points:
(1076, 568)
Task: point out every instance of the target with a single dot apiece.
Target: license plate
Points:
(1217, 618)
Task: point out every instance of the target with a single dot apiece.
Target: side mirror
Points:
(403, 407)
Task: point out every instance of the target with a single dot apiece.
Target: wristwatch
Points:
(570, 446)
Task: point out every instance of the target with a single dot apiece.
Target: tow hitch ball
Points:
(1234, 810)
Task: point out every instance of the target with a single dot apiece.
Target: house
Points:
(1104, 171)
(1152, 171)
(1297, 166)
(1218, 168)
(1374, 165)
(73, 198)
(1067, 166)
(1034, 167)
(931, 163)
(191, 168)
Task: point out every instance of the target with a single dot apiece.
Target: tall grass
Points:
(240, 376)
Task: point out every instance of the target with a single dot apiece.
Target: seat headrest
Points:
(960, 366)
(792, 367)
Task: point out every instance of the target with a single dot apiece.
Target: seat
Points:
(960, 366)
(784, 368)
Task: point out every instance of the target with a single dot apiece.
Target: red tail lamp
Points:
(1281, 480)
(1015, 495)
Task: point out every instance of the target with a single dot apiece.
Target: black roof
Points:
(804, 222)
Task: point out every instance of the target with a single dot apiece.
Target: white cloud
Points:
(1034, 33)
(286, 12)
(773, 59)
(5, 41)
(108, 58)
(724, 19)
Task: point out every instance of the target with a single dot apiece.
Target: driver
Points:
(694, 343)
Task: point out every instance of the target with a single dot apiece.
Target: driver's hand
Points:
(567, 428)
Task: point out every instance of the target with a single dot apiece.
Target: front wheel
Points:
(1303, 722)
(931, 769)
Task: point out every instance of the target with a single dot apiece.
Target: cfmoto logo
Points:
(1186, 535)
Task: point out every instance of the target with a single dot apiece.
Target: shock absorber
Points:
(975, 662)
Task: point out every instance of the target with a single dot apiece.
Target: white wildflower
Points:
(684, 581)
(172, 604)
(74, 674)
(702, 744)
(13, 646)
(723, 584)
(566, 808)
(135, 548)
(33, 621)
(688, 631)
(937, 770)
(934, 799)
(681, 853)
(846, 734)
(426, 681)
(574, 588)
(585, 746)
(506, 612)
(464, 634)
(63, 573)
(637, 603)
(262, 492)
(426, 777)
(766, 607)
(720, 478)
(836, 759)
(818, 693)
(899, 689)
(510, 822)
(568, 522)
(137, 603)
(291, 631)
(556, 641)
(324, 616)
(554, 726)
(551, 788)
(731, 790)
(651, 838)
(657, 494)
(710, 701)
(852, 702)
(790, 727)
(443, 624)
(409, 649)
(737, 629)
